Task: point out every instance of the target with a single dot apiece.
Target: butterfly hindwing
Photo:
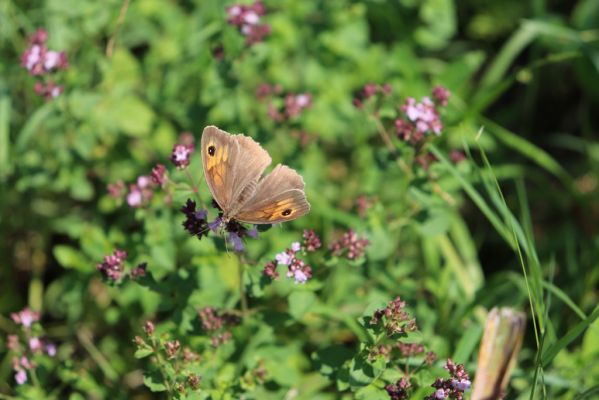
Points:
(279, 197)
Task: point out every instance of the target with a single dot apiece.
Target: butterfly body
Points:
(234, 166)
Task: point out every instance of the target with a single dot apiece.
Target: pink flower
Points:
(284, 258)
(51, 349)
(295, 247)
(247, 20)
(159, 175)
(25, 317)
(296, 103)
(140, 194)
(441, 95)
(116, 190)
(21, 377)
(350, 244)
(12, 342)
(35, 344)
(181, 154)
(49, 91)
(37, 59)
(113, 265)
(134, 198)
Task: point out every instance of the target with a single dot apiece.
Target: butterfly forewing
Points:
(232, 165)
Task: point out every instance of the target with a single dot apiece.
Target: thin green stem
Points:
(85, 338)
(161, 362)
(195, 188)
(119, 24)
(242, 295)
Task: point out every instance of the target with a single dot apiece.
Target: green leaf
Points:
(69, 257)
(551, 351)
(363, 372)
(142, 353)
(371, 392)
(154, 381)
(300, 302)
(329, 360)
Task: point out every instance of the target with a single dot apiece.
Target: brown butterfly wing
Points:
(279, 197)
(233, 164)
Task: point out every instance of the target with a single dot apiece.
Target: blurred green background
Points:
(524, 77)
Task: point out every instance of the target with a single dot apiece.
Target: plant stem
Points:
(195, 188)
(161, 363)
(387, 140)
(242, 297)
(84, 336)
(119, 23)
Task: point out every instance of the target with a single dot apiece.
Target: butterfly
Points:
(234, 166)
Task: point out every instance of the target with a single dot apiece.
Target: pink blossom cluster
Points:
(33, 344)
(453, 387)
(282, 108)
(369, 91)
(26, 317)
(40, 61)
(141, 192)
(247, 18)
(394, 318)
(216, 323)
(421, 118)
(296, 267)
(113, 267)
(398, 390)
(350, 245)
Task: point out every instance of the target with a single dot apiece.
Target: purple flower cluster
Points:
(282, 108)
(421, 118)
(350, 244)
(41, 61)
(453, 387)
(113, 267)
(216, 322)
(296, 267)
(394, 319)
(32, 344)
(369, 91)
(247, 19)
(197, 224)
(398, 390)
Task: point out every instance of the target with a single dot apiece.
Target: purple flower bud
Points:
(236, 242)
(440, 394)
(216, 224)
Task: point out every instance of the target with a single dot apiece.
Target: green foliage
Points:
(510, 219)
